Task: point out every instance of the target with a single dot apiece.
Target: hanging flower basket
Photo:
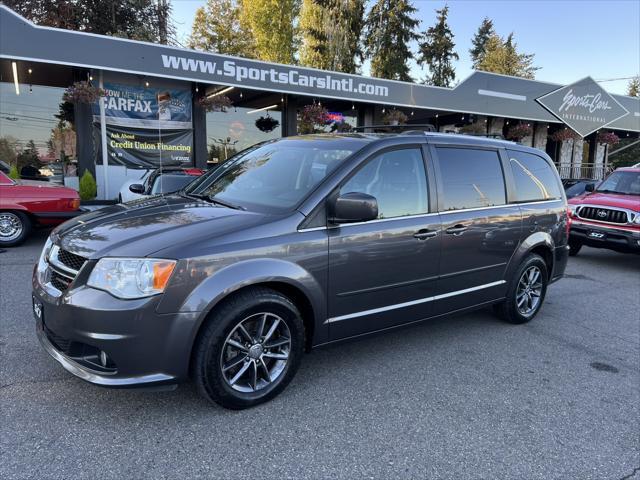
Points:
(563, 135)
(267, 124)
(394, 117)
(518, 132)
(312, 118)
(217, 103)
(82, 92)
(608, 138)
(341, 127)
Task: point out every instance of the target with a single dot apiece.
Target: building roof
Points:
(481, 93)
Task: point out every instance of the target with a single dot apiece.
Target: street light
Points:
(225, 142)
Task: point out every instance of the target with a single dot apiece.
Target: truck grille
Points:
(603, 215)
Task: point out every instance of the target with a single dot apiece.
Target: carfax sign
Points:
(584, 106)
(146, 127)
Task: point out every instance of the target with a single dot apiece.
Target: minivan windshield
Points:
(274, 177)
(624, 182)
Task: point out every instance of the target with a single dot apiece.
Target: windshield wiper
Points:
(224, 203)
(613, 191)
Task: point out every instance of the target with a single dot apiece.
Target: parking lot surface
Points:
(462, 397)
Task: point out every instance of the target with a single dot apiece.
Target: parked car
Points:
(25, 204)
(159, 181)
(576, 187)
(609, 216)
(300, 242)
(5, 167)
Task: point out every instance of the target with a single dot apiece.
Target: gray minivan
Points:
(297, 243)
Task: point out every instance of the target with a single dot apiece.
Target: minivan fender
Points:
(535, 241)
(234, 277)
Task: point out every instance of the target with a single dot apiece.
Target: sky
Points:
(571, 39)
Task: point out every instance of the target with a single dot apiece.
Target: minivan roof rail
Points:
(408, 128)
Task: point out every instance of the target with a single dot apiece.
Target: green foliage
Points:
(217, 28)
(88, 187)
(479, 41)
(29, 156)
(330, 32)
(13, 172)
(273, 26)
(389, 27)
(633, 89)
(437, 51)
(501, 56)
(147, 20)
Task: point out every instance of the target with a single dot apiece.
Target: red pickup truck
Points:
(608, 216)
(25, 204)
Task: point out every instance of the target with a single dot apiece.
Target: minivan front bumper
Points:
(84, 327)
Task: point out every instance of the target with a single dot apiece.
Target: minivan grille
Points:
(603, 214)
(71, 260)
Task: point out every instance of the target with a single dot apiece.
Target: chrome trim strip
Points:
(413, 302)
(342, 225)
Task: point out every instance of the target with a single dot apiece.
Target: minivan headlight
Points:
(131, 277)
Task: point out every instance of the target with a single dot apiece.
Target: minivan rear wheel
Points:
(526, 291)
(249, 350)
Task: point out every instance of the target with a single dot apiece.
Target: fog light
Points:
(103, 358)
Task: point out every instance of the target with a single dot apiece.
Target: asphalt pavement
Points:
(462, 397)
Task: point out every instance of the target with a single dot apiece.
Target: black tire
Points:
(509, 309)
(574, 247)
(211, 348)
(7, 218)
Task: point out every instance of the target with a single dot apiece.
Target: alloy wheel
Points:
(10, 226)
(256, 352)
(529, 291)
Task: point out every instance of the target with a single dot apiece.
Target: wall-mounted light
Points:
(220, 92)
(437, 115)
(383, 110)
(282, 99)
(353, 106)
(146, 84)
(30, 71)
(412, 113)
(14, 67)
(240, 94)
(196, 87)
(262, 109)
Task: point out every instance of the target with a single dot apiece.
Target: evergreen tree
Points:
(479, 41)
(389, 28)
(330, 31)
(147, 20)
(633, 89)
(501, 56)
(217, 28)
(273, 24)
(437, 51)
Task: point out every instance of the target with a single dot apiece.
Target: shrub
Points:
(88, 187)
(13, 172)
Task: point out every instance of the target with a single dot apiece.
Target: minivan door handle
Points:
(425, 234)
(456, 229)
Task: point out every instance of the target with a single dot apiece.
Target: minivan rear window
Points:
(534, 178)
(472, 178)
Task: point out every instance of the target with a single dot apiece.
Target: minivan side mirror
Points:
(354, 207)
(136, 188)
(589, 187)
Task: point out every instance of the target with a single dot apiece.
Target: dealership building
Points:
(156, 103)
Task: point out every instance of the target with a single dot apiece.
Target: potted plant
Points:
(608, 138)
(394, 117)
(519, 131)
(563, 135)
(312, 118)
(267, 124)
(215, 103)
(82, 92)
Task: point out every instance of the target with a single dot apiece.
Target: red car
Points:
(608, 216)
(25, 204)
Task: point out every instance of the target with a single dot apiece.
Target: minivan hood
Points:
(630, 202)
(144, 226)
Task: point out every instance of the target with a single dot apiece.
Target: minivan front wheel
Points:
(250, 349)
(526, 291)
